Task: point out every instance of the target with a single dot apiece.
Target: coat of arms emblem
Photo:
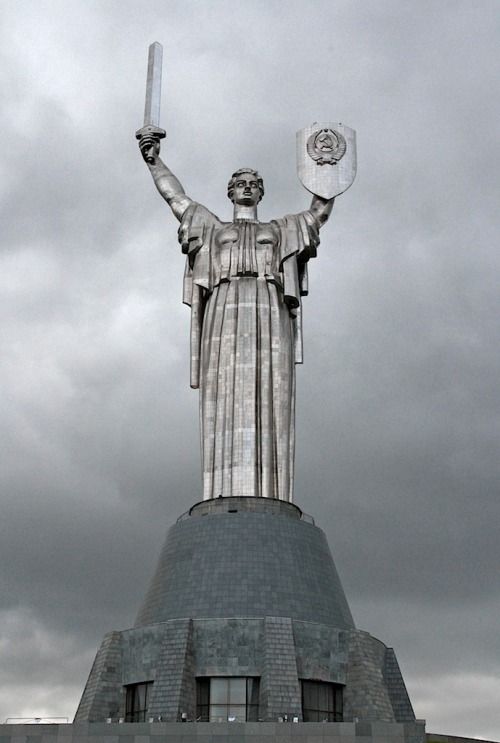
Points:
(326, 146)
(326, 158)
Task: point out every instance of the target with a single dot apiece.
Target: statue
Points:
(244, 281)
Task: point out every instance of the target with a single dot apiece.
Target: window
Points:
(321, 701)
(227, 698)
(136, 701)
(203, 699)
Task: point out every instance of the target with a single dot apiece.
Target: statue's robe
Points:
(244, 282)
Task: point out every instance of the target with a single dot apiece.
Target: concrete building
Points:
(245, 623)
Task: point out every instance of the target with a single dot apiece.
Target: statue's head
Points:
(245, 187)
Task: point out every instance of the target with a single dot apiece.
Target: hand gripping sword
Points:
(151, 126)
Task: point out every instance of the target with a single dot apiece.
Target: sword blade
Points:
(153, 85)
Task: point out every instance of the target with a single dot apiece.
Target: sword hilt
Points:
(155, 132)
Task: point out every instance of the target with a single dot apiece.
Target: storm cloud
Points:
(398, 399)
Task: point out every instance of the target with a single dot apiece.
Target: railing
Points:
(306, 517)
(36, 720)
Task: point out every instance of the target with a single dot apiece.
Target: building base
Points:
(246, 619)
(213, 732)
(250, 732)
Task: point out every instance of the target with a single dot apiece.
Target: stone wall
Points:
(245, 587)
(279, 650)
(202, 732)
(235, 561)
(266, 732)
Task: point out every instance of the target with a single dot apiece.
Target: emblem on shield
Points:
(326, 146)
(326, 158)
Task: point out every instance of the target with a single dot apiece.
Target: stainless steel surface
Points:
(244, 281)
(153, 85)
(326, 158)
(151, 133)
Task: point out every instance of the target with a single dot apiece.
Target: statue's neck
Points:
(245, 212)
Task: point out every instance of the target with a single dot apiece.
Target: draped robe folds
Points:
(244, 281)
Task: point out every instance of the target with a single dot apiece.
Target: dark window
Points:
(136, 701)
(227, 698)
(321, 701)
(203, 699)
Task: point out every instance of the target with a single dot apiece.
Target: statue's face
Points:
(246, 190)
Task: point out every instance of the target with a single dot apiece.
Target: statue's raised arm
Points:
(165, 181)
(151, 133)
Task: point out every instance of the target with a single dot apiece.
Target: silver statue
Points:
(244, 281)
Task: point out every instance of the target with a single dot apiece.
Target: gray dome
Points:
(237, 557)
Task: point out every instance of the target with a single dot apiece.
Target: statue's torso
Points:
(266, 232)
(245, 248)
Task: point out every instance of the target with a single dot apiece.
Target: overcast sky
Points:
(398, 399)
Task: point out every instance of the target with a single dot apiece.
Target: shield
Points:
(326, 158)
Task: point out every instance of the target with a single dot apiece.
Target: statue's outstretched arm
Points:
(321, 208)
(165, 181)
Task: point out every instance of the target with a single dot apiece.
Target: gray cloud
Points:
(398, 402)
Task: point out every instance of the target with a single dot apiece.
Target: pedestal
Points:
(247, 589)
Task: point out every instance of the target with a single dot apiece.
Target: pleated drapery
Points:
(244, 282)
(247, 390)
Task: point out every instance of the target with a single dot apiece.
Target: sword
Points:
(151, 126)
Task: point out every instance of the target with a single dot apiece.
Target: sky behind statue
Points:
(398, 400)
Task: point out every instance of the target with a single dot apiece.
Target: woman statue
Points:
(243, 281)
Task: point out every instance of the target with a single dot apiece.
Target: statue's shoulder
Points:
(196, 226)
(198, 214)
(306, 216)
(299, 234)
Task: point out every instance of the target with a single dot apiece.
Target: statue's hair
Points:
(234, 178)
